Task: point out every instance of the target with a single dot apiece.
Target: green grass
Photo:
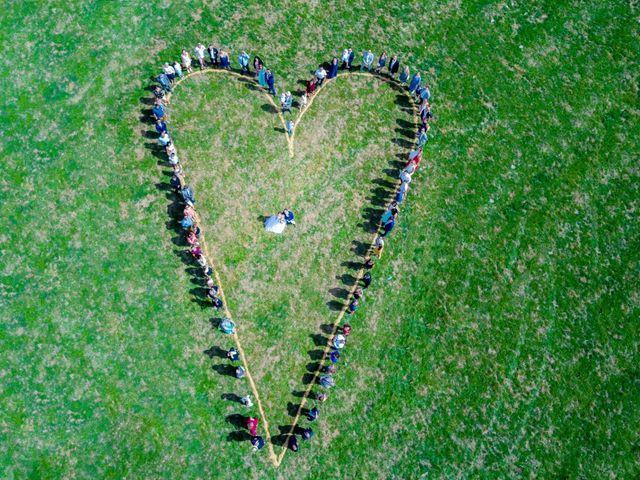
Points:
(499, 338)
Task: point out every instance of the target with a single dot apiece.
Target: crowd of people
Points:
(218, 58)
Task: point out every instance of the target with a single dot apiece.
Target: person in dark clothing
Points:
(366, 279)
(307, 433)
(233, 354)
(161, 127)
(394, 66)
(293, 443)
(333, 69)
(313, 414)
(271, 83)
(213, 55)
(164, 82)
(389, 226)
(368, 264)
(257, 442)
(188, 195)
(176, 183)
(335, 356)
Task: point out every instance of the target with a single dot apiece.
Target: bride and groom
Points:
(277, 223)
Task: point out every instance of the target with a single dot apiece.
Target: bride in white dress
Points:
(275, 223)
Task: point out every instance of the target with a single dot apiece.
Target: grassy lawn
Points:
(499, 338)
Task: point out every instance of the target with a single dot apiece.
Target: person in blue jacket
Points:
(333, 69)
(243, 60)
(415, 82)
(271, 83)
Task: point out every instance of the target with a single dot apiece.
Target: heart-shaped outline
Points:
(277, 460)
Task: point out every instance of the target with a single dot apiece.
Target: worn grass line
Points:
(327, 348)
(236, 339)
(266, 94)
(340, 316)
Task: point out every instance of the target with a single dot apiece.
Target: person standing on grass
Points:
(186, 61)
(286, 102)
(334, 356)
(311, 87)
(388, 226)
(243, 61)
(345, 58)
(378, 247)
(257, 64)
(158, 92)
(405, 175)
(327, 381)
(346, 329)
(333, 70)
(367, 60)
(164, 82)
(224, 60)
(415, 82)
(161, 127)
(425, 93)
(164, 138)
(402, 193)
(158, 111)
(240, 373)
(213, 55)
(423, 138)
(271, 82)
(358, 293)
(290, 130)
(404, 76)
(352, 56)
(382, 61)
(178, 69)
(313, 414)
(320, 74)
(289, 216)
(169, 71)
(233, 354)
(176, 183)
(304, 99)
(293, 443)
(366, 279)
(262, 77)
(307, 433)
(257, 442)
(394, 66)
(199, 50)
(353, 306)
(252, 426)
(246, 401)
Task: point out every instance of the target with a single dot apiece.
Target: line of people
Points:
(192, 231)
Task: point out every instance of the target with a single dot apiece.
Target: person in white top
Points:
(321, 74)
(169, 71)
(200, 51)
(186, 61)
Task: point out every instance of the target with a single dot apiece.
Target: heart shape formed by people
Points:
(277, 283)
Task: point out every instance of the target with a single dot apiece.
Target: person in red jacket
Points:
(252, 425)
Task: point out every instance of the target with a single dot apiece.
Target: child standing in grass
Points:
(378, 247)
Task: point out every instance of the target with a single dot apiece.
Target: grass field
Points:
(499, 338)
